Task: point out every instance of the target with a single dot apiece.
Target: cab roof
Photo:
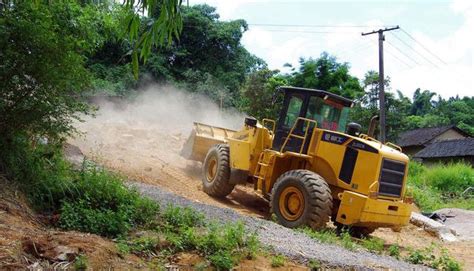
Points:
(321, 93)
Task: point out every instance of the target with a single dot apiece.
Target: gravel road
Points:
(282, 240)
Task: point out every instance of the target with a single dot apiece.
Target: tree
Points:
(396, 104)
(163, 24)
(259, 98)
(42, 74)
(208, 51)
(371, 87)
(422, 102)
(326, 73)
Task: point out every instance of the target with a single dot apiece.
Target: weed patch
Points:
(184, 229)
(440, 186)
(278, 261)
(425, 256)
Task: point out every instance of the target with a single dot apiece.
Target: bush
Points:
(440, 186)
(91, 200)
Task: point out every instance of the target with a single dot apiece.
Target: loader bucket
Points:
(202, 138)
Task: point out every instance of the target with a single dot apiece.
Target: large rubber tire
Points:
(216, 172)
(316, 199)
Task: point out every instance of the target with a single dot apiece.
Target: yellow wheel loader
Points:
(309, 164)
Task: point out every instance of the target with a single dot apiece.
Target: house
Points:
(448, 151)
(414, 141)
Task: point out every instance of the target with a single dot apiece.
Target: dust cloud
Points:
(147, 133)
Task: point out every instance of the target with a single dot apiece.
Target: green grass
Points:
(278, 260)
(373, 244)
(394, 251)
(440, 186)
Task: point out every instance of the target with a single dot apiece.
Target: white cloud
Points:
(226, 8)
(455, 48)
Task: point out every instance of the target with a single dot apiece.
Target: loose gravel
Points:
(293, 244)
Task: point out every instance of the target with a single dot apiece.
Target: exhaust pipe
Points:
(373, 123)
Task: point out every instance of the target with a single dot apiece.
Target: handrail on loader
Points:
(309, 121)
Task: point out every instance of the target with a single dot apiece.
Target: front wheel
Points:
(216, 172)
(301, 197)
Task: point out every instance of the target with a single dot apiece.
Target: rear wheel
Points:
(354, 231)
(216, 172)
(301, 197)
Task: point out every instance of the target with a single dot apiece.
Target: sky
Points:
(433, 49)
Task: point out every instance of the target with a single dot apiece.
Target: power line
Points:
(313, 25)
(311, 32)
(401, 52)
(355, 50)
(406, 44)
(399, 59)
(395, 56)
(422, 46)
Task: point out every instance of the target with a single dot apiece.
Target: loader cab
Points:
(329, 110)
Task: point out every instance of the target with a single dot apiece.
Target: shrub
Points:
(91, 200)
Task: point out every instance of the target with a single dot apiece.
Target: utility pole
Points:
(381, 79)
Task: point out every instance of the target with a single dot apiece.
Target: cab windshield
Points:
(328, 114)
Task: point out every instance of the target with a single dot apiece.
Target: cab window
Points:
(328, 114)
(294, 109)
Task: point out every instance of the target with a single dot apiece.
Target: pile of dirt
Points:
(26, 241)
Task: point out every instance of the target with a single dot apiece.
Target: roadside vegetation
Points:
(182, 229)
(430, 256)
(441, 186)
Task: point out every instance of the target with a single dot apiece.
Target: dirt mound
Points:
(27, 242)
